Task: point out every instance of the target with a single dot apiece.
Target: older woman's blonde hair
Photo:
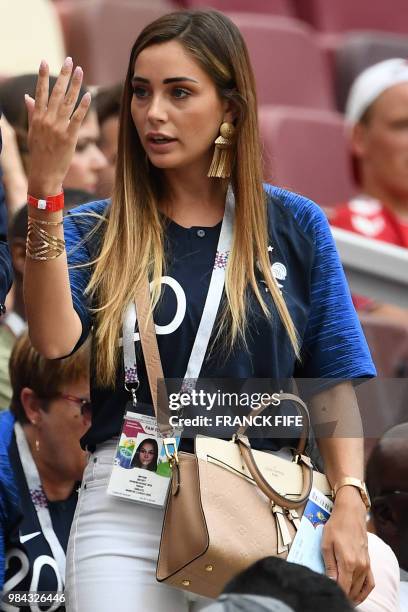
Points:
(45, 377)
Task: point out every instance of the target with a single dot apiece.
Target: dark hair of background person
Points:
(43, 376)
(18, 225)
(152, 467)
(107, 102)
(12, 92)
(13, 105)
(387, 484)
(293, 584)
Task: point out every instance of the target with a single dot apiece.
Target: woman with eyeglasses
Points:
(41, 468)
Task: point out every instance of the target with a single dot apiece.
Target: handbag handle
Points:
(275, 497)
(303, 412)
(299, 456)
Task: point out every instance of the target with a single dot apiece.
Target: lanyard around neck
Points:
(207, 321)
(39, 499)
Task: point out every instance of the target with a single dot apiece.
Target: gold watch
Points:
(349, 481)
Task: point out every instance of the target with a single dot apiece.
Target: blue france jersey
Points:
(307, 268)
(26, 559)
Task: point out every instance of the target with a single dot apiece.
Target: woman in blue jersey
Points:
(188, 151)
(41, 469)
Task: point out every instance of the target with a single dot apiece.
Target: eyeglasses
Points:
(84, 404)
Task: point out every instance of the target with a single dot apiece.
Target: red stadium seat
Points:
(343, 15)
(305, 150)
(388, 342)
(99, 34)
(289, 66)
(273, 7)
(358, 51)
(383, 401)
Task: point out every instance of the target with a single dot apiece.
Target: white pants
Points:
(113, 548)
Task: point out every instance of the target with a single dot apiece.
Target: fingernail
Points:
(68, 62)
(43, 64)
(78, 71)
(87, 96)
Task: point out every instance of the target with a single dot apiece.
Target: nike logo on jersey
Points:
(28, 536)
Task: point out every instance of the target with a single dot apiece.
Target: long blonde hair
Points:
(134, 234)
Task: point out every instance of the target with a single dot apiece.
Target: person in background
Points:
(275, 585)
(387, 482)
(5, 260)
(14, 176)
(377, 120)
(13, 324)
(107, 103)
(88, 160)
(42, 464)
(279, 586)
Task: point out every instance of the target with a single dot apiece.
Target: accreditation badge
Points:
(141, 469)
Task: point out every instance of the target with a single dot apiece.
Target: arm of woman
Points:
(344, 545)
(54, 325)
(14, 178)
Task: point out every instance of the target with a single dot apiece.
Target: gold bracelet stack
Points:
(41, 245)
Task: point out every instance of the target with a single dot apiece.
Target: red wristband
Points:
(50, 204)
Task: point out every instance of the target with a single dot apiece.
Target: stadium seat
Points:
(305, 150)
(273, 7)
(289, 65)
(388, 342)
(30, 32)
(344, 15)
(358, 51)
(383, 401)
(99, 34)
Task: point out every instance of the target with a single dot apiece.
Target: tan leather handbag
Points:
(228, 505)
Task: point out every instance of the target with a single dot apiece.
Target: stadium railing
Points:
(374, 269)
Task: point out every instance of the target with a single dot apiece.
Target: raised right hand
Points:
(53, 128)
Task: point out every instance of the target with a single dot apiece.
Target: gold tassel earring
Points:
(221, 164)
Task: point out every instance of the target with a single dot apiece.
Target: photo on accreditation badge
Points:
(139, 444)
(141, 470)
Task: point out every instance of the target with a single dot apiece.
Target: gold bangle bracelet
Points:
(41, 245)
(43, 222)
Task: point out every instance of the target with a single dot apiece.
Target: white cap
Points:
(371, 83)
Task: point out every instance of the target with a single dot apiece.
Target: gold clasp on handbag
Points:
(299, 458)
(296, 457)
(172, 455)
